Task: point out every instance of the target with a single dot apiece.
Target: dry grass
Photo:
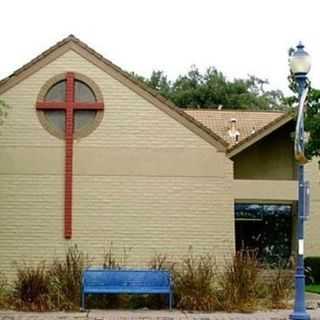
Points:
(198, 284)
(113, 261)
(280, 287)
(65, 279)
(161, 262)
(32, 288)
(194, 283)
(239, 282)
(4, 292)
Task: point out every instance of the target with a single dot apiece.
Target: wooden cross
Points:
(69, 105)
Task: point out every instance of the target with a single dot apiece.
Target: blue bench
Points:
(107, 281)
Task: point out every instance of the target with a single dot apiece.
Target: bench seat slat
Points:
(126, 290)
(106, 281)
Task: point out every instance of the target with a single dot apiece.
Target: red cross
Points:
(69, 105)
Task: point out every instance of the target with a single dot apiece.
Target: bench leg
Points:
(170, 301)
(83, 302)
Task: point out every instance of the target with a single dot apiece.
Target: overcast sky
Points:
(239, 37)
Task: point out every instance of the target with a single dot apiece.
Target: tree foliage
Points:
(312, 123)
(211, 89)
(312, 116)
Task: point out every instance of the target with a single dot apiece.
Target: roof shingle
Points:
(248, 122)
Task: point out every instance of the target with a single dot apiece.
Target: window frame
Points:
(81, 132)
(240, 221)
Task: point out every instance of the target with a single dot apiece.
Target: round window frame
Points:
(79, 133)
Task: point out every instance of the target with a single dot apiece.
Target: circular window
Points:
(70, 95)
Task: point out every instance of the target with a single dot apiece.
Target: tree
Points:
(312, 116)
(158, 81)
(211, 89)
(312, 123)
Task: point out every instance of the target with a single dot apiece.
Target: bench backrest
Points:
(108, 278)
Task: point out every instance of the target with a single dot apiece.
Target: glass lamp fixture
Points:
(300, 61)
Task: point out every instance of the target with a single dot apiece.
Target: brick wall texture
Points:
(142, 181)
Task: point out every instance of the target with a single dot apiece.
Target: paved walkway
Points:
(149, 315)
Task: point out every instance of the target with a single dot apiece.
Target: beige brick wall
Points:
(264, 172)
(142, 180)
(312, 230)
(271, 158)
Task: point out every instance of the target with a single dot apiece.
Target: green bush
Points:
(312, 266)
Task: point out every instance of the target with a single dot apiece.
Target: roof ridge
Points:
(43, 54)
(169, 104)
(153, 92)
(234, 110)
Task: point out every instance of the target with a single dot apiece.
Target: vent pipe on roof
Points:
(233, 132)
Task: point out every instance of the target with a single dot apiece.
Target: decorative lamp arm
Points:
(299, 135)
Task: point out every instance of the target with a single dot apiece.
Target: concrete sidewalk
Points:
(149, 315)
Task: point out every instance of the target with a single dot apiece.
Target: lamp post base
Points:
(299, 316)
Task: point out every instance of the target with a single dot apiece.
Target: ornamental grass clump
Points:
(65, 279)
(31, 289)
(4, 291)
(114, 261)
(239, 282)
(159, 262)
(194, 283)
(280, 287)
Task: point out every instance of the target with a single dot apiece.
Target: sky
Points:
(238, 37)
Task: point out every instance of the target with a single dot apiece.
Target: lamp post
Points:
(300, 64)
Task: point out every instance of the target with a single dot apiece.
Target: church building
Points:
(91, 156)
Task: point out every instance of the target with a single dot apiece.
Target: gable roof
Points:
(252, 125)
(73, 43)
(210, 124)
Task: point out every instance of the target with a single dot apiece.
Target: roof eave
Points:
(258, 135)
(73, 43)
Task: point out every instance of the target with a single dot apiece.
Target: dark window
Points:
(266, 228)
(82, 118)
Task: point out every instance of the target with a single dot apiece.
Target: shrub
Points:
(65, 279)
(194, 283)
(158, 262)
(198, 284)
(111, 261)
(31, 288)
(4, 291)
(111, 301)
(312, 265)
(161, 262)
(280, 286)
(239, 282)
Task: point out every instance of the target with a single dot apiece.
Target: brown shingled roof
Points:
(250, 124)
